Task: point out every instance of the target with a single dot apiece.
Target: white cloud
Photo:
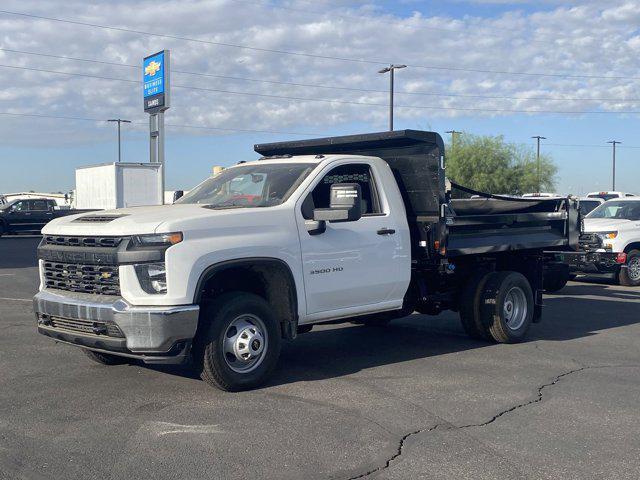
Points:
(587, 39)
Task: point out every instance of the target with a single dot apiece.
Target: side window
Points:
(351, 173)
(20, 207)
(39, 205)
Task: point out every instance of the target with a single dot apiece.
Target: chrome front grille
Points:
(81, 326)
(94, 279)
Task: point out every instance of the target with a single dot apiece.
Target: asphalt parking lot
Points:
(413, 400)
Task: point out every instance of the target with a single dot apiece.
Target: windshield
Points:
(263, 185)
(624, 210)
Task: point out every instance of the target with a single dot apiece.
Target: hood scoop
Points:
(98, 218)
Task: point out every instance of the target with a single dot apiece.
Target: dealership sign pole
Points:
(156, 95)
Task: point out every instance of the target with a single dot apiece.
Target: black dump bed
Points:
(461, 220)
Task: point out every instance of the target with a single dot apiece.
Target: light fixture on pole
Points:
(390, 69)
(119, 121)
(614, 143)
(538, 138)
(453, 136)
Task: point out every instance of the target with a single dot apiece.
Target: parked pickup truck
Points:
(360, 228)
(610, 244)
(30, 215)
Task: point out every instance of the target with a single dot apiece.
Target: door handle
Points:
(386, 231)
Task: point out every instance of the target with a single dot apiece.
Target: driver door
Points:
(351, 267)
(20, 216)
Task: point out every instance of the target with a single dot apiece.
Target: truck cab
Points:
(360, 228)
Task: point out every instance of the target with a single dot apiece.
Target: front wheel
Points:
(630, 275)
(507, 306)
(240, 343)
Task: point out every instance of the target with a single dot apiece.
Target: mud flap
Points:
(537, 310)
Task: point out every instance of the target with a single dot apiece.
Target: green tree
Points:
(489, 164)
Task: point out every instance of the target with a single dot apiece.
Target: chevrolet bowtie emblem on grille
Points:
(106, 275)
(152, 68)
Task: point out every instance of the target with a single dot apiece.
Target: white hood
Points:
(604, 224)
(127, 221)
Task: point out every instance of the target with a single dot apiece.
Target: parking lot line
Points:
(16, 299)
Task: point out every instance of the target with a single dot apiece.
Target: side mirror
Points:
(177, 195)
(345, 204)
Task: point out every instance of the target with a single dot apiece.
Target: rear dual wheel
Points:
(497, 306)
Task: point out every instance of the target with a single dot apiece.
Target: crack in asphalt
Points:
(396, 454)
(555, 380)
(449, 426)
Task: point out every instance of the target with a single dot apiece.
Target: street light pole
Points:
(614, 143)
(119, 121)
(453, 137)
(538, 138)
(390, 69)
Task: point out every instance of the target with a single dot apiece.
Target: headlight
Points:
(158, 240)
(152, 277)
(607, 235)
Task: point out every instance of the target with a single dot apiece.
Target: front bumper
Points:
(111, 325)
(592, 262)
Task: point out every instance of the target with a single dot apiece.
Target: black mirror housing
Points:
(345, 204)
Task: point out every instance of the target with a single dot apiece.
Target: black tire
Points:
(499, 291)
(105, 358)
(469, 303)
(217, 320)
(631, 278)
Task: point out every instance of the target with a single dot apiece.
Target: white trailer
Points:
(118, 185)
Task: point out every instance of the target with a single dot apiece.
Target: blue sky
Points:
(41, 154)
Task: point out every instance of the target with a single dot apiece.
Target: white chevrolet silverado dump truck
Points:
(360, 228)
(610, 244)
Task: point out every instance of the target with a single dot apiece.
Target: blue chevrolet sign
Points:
(155, 81)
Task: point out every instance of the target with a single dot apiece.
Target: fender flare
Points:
(631, 246)
(290, 327)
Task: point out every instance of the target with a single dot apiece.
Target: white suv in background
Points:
(610, 243)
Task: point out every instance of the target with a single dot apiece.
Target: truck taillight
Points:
(621, 258)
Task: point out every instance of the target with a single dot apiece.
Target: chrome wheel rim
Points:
(515, 308)
(633, 269)
(244, 343)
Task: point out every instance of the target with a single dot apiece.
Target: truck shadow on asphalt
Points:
(341, 350)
